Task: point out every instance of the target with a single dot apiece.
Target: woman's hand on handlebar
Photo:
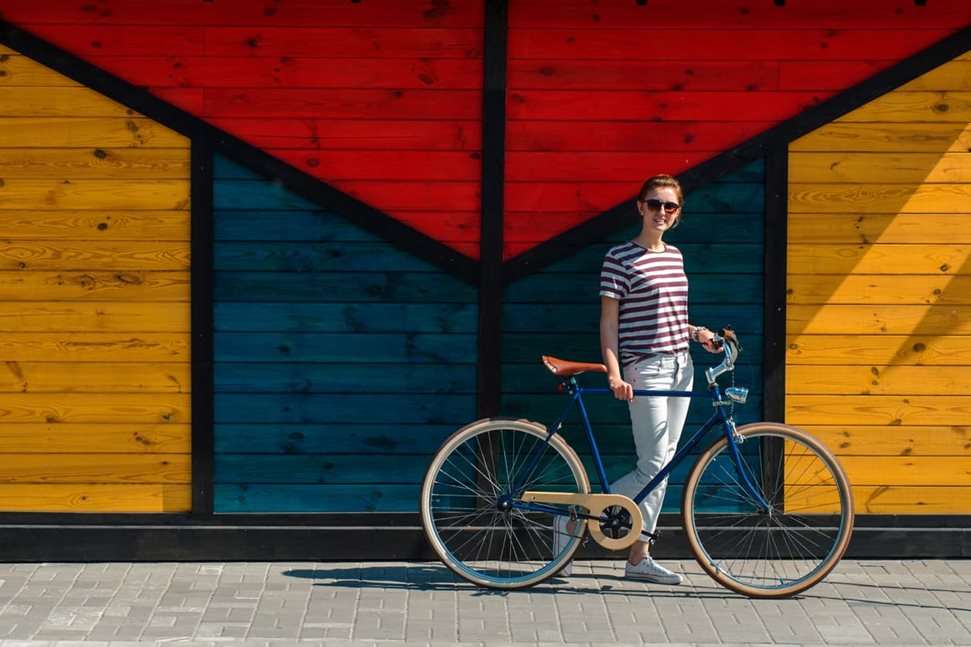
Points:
(621, 389)
(706, 338)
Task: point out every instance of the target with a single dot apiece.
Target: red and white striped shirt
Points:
(653, 293)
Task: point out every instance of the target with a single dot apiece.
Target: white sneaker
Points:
(561, 537)
(648, 569)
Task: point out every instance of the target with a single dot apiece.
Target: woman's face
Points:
(656, 209)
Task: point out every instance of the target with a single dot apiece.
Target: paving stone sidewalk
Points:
(862, 602)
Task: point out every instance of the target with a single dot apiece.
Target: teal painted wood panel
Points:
(346, 317)
(339, 358)
(557, 312)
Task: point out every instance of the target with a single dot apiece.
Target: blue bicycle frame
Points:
(719, 416)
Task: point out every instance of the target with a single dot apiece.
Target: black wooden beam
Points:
(202, 326)
(491, 229)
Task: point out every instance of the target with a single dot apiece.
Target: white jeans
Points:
(656, 422)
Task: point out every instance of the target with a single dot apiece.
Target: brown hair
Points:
(659, 181)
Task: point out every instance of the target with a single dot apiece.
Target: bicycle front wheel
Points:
(783, 548)
(471, 506)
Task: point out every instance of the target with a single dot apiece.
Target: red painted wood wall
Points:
(382, 98)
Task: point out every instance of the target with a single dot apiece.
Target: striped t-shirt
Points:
(653, 294)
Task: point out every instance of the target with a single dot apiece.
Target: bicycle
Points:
(767, 509)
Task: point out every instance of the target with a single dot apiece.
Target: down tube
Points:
(718, 417)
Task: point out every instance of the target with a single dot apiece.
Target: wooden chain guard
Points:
(595, 504)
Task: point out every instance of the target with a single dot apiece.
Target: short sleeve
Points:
(613, 278)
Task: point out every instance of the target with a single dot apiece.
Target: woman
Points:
(644, 336)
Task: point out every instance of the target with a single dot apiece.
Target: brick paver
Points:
(356, 604)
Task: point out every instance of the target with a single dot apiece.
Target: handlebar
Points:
(728, 341)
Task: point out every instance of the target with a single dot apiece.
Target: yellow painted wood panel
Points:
(907, 470)
(908, 228)
(74, 132)
(914, 107)
(879, 259)
(19, 71)
(96, 497)
(879, 168)
(95, 468)
(898, 499)
(94, 163)
(95, 225)
(121, 438)
(876, 319)
(94, 347)
(94, 255)
(120, 285)
(874, 289)
(955, 75)
(89, 316)
(887, 440)
(879, 350)
(878, 410)
(59, 102)
(904, 138)
(879, 198)
(102, 407)
(878, 380)
(94, 194)
(93, 377)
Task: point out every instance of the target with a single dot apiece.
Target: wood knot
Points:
(919, 347)
(100, 154)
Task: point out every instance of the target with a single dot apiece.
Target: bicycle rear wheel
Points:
(777, 551)
(469, 503)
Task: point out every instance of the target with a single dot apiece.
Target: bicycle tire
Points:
(801, 519)
(447, 495)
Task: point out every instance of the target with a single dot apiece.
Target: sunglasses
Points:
(655, 205)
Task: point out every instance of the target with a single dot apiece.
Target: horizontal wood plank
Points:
(911, 107)
(322, 408)
(96, 163)
(95, 468)
(307, 377)
(614, 136)
(86, 132)
(343, 347)
(879, 259)
(877, 380)
(944, 410)
(91, 316)
(340, 42)
(94, 377)
(344, 436)
(95, 497)
(878, 289)
(93, 255)
(886, 440)
(907, 470)
(94, 225)
(878, 319)
(37, 102)
(96, 286)
(643, 75)
(94, 347)
(427, 166)
(952, 76)
(338, 287)
(907, 228)
(895, 137)
(880, 198)
(910, 499)
(557, 166)
(46, 195)
(95, 408)
(346, 317)
(746, 288)
(297, 256)
(338, 103)
(881, 350)
(120, 438)
(21, 71)
(879, 168)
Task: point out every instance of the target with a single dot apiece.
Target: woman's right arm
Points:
(609, 315)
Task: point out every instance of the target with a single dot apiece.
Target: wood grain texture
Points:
(906, 228)
(77, 316)
(93, 377)
(878, 320)
(31, 255)
(866, 350)
(95, 497)
(896, 137)
(96, 408)
(86, 132)
(873, 440)
(877, 380)
(67, 102)
(880, 258)
(946, 410)
(883, 168)
(880, 198)
(879, 289)
(108, 194)
(94, 225)
(101, 438)
(121, 285)
(915, 107)
(95, 163)
(93, 468)
(94, 346)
